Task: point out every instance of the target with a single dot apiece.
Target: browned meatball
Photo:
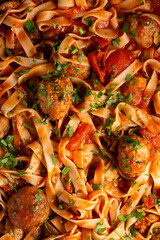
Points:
(133, 155)
(9, 5)
(28, 208)
(55, 97)
(147, 220)
(4, 125)
(142, 30)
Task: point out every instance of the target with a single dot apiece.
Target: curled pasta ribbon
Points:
(84, 3)
(12, 21)
(153, 63)
(128, 5)
(73, 41)
(46, 20)
(102, 17)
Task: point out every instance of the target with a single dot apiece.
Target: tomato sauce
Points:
(153, 139)
(124, 184)
(155, 6)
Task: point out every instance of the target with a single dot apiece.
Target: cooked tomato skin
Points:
(83, 133)
(118, 61)
(27, 210)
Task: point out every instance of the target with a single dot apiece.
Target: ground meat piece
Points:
(28, 208)
(4, 125)
(55, 97)
(146, 222)
(9, 5)
(133, 155)
(142, 30)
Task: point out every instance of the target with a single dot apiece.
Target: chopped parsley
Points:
(132, 142)
(80, 58)
(53, 25)
(25, 104)
(9, 160)
(89, 21)
(138, 214)
(95, 186)
(38, 195)
(27, 126)
(125, 27)
(54, 161)
(35, 209)
(30, 26)
(8, 52)
(133, 33)
(97, 133)
(69, 130)
(127, 168)
(65, 170)
(129, 77)
(116, 42)
(99, 229)
(81, 31)
(40, 121)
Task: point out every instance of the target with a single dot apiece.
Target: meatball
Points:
(55, 98)
(28, 208)
(142, 29)
(147, 220)
(133, 155)
(4, 125)
(9, 5)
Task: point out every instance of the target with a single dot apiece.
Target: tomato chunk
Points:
(118, 61)
(82, 133)
(97, 57)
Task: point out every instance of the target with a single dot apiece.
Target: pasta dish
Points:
(80, 119)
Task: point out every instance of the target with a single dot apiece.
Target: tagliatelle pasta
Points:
(79, 120)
